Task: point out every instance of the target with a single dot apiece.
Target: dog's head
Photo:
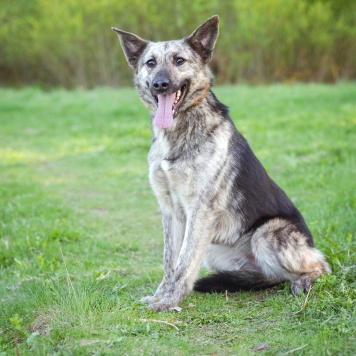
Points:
(172, 76)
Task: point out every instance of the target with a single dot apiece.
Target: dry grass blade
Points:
(294, 350)
(230, 339)
(305, 302)
(159, 321)
(69, 281)
(17, 350)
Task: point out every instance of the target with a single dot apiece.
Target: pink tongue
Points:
(164, 115)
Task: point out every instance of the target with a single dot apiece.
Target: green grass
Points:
(80, 231)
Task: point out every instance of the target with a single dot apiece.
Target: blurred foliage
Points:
(69, 43)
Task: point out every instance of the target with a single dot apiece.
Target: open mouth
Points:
(178, 99)
(168, 106)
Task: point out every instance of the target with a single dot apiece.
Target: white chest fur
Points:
(174, 182)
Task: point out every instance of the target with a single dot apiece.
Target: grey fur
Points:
(218, 203)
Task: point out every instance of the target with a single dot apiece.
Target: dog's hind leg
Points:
(235, 267)
(220, 257)
(277, 251)
(283, 252)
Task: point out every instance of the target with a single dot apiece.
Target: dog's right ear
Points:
(132, 45)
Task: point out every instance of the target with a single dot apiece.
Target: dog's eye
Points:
(151, 63)
(179, 61)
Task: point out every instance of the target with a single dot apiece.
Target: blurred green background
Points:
(69, 43)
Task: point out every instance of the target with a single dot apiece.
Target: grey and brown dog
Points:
(218, 204)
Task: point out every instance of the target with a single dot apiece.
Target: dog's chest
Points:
(172, 176)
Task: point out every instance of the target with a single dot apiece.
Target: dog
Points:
(219, 206)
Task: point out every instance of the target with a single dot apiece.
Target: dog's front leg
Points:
(173, 230)
(198, 235)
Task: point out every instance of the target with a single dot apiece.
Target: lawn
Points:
(80, 230)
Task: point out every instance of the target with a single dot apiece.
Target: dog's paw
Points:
(164, 304)
(301, 285)
(150, 299)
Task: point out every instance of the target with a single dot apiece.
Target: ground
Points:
(81, 238)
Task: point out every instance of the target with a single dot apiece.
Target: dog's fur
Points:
(217, 201)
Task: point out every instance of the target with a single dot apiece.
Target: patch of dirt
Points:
(42, 323)
(98, 212)
(89, 342)
(261, 296)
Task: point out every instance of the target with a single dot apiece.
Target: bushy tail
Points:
(234, 281)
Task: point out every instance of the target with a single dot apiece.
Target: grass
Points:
(81, 236)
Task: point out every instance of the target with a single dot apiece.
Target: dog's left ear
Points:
(203, 39)
(132, 45)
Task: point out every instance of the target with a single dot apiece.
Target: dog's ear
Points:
(203, 39)
(132, 45)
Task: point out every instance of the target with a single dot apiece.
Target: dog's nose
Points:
(161, 84)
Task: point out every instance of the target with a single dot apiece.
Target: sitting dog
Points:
(218, 203)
